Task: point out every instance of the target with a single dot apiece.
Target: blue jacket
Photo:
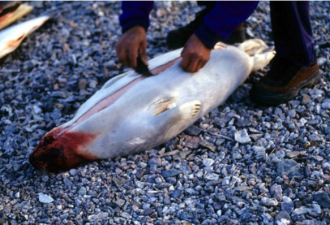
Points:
(219, 23)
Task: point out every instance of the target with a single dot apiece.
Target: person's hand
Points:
(194, 55)
(132, 42)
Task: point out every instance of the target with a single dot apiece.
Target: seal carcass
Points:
(131, 113)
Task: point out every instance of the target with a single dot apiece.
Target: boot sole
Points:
(285, 97)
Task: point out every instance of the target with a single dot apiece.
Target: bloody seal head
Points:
(62, 150)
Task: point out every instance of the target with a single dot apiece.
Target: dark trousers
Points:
(292, 30)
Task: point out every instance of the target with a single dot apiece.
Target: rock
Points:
(192, 142)
(267, 219)
(322, 199)
(98, 217)
(283, 218)
(120, 202)
(276, 191)
(303, 210)
(73, 172)
(82, 191)
(193, 130)
(148, 211)
(292, 113)
(242, 137)
(287, 204)
(208, 162)
(171, 173)
(119, 181)
(211, 176)
(67, 182)
(45, 198)
(260, 152)
(326, 103)
(287, 167)
(315, 139)
(208, 145)
(306, 99)
(269, 201)
(176, 193)
(140, 173)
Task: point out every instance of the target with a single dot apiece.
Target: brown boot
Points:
(283, 82)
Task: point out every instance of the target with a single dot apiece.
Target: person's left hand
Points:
(194, 55)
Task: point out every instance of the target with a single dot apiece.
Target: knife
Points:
(142, 68)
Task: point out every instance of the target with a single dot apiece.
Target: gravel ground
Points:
(237, 165)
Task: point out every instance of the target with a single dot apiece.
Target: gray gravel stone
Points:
(208, 162)
(287, 167)
(322, 199)
(287, 204)
(269, 201)
(282, 218)
(242, 136)
(82, 191)
(170, 173)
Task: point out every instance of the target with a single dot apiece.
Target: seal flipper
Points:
(176, 119)
(260, 61)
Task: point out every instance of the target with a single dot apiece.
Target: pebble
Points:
(242, 137)
(82, 191)
(208, 162)
(322, 199)
(326, 103)
(287, 167)
(276, 191)
(170, 173)
(120, 202)
(193, 130)
(98, 217)
(287, 204)
(73, 172)
(269, 201)
(211, 176)
(303, 210)
(283, 218)
(45, 198)
(306, 99)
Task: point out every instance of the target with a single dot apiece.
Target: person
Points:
(293, 67)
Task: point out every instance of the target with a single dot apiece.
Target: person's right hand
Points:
(132, 42)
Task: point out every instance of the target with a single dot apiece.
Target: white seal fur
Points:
(131, 113)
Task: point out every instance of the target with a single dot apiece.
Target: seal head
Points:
(57, 153)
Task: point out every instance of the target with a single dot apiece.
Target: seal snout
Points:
(51, 159)
(57, 153)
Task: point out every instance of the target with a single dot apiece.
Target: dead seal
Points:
(131, 113)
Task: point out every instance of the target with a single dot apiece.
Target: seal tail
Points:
(259, 51)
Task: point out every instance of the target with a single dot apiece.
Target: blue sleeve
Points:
(135, 13)
(222, 20)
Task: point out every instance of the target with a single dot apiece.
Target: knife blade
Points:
(142, 68)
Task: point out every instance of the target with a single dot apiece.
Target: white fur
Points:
(132, 123)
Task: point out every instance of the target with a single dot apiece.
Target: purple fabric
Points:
(135, 13)
(219, 23)
(292, 31)
(223, 19)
